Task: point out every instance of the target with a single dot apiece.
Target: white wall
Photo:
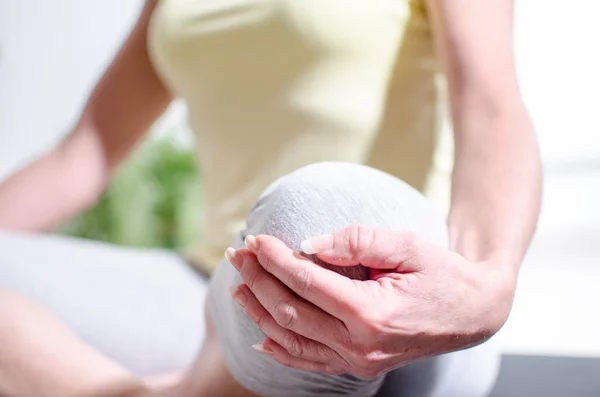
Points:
(558, 56)
(51, 53)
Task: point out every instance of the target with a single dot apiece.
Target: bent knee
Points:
(325, 197)
(334, 174)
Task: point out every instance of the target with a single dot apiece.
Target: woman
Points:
(270, 87)
(312, 200)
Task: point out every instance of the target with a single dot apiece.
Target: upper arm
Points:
(475, 42)
(126, 101)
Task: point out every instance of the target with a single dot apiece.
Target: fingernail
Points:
(239, 296)
(259, 347)
(307, 247)
(317, 244)
(233, 258)
(250, 242)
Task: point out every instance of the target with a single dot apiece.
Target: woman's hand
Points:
(421, 300)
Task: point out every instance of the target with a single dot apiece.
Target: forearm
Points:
(53, 188)
(496, 185)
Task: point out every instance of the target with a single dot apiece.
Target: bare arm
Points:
(496, 185)
(70, 178)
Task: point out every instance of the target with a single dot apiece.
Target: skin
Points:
(495, 204)
(209, 380)
(421, 300)
(41, 357)
(70, 178)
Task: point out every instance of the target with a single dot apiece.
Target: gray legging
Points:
(144, 308)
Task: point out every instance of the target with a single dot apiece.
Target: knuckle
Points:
(252, 278)
(342, 339)
(371, 360)
(368, 366)
(285, 314)
(301, 282)
(292, 345)
(261, 322)
(366, 361)
(360, 238)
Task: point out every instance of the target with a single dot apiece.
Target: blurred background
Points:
(51, 58)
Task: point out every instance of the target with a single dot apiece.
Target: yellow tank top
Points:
(273, 85)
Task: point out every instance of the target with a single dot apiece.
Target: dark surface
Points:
(535, 376)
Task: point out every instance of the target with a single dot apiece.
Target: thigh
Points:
(143, 308)
(467, 373)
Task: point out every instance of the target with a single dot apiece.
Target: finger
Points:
(328, 290)
(282, 356)
(288, 310)
(371, 247)
(295, 344)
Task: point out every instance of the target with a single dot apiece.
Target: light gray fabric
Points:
(323, 198)
(142, 307)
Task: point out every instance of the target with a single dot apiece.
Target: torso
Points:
(273, 85)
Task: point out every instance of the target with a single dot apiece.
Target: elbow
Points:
(86, 170)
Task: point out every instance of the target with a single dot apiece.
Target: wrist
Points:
(501, 284)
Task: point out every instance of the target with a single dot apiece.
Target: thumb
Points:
(371, 247)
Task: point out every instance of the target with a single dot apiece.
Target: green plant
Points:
(153, 201)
